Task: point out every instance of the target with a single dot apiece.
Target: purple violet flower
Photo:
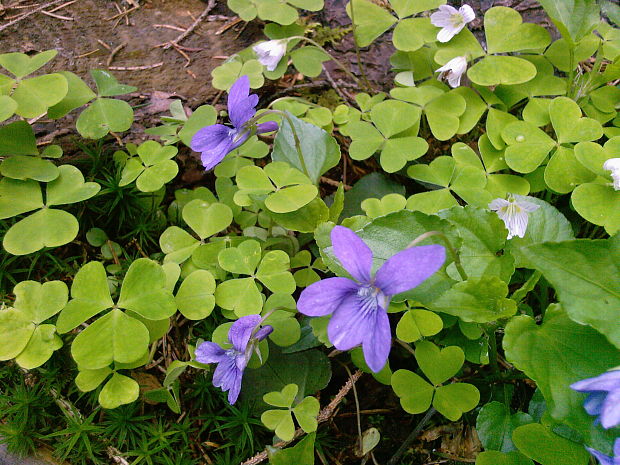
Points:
(216, 141)
(603, 397)
(244, 335)
(359, 306)
(605, 459)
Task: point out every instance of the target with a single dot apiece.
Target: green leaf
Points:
(564, 172)
(306, 412)
(394, 116)
(113, 337)
(506, 32)
(273, 272)
(18, 197)
(24, 167)
(500, 458)
(370, 21)
(35, 95)
(586, 277)
(598, 204)
(7, 107)
(90, 295)
(541, 444)
(527, 146)
(415, 324)
(404, 8)
(225, 75)
(281, 421)
(462, 44)
(70, 187)
(320, 150)
(483, 235)
(442, 114)
(16, 330)
(78, 94)
(305, 219)
(412, 33)
(102, 116)
(89, 380)
(177, 244)
(194, 298)
(207, 219)
(479, 300)
(154, 177)
(495, 425)
(453, 400)
(283, 398)
(20, 64)
(239, 295)
(291, 198)
(555, 354)
(17, 138)
(493, 70)
(309, 60)
(119, 390)
(38, 302)
(415, 393)
(301, 454)
(439, 365)
(569, 125)
(108, 85)
(242, 259)
(574, 18)
(144, 291)
(45, 228)
(41, 346)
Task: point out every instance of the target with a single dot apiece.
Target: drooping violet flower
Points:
(359, 305)
(513, 212)
(216, 141)
(453, 70)
(603, 397)
(270, 53)
(451, 21)
(613, 165)
(606, 459)
(244, 335)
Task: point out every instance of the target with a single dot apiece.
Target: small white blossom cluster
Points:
(270, 53)
(613, 165)
(513, 212)
(452, 21)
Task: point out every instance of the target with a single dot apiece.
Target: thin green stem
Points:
(453, 252)
(333, 58)
(571, 72)
(493, 350)
(414, 434)
(358, 54)
(527, 287)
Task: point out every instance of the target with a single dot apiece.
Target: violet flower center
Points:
(371, 298)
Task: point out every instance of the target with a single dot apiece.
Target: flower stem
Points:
(414, 434)
(333, 58)
(360, 62)
(453, 252)
(493, 350)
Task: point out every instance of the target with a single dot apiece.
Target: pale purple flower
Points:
(270, 53)
(606, 459)
(244, 336)
(514, 213)
(451, 21)
(603, 397)
(216, 141)
(613, 165)
(453, 70)
(359, 305)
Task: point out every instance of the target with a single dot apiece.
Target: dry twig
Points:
(30, 13)
(114, 52)
(136, 68)
(190, 29)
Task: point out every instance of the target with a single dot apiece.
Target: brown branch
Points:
(324, 415)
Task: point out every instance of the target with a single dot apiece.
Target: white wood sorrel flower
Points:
(451, 21)
(613, 165)
(270, 53)
(453, 70)
(513, 212)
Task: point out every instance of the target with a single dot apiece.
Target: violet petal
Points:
(378, 342)
(269, 126)
(610, 414)
(605, 382)
(350, 323)
(210, 137)
(240, 103)
(325, 296)
(351, 251)
(409, 267)
(209, 352)
(241, 330)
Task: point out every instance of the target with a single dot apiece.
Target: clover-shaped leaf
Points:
(78, 94)
(412, 33)
(119, 390)
(194, 298)
(370, 21)
(102, 116)
(493, 70)
(113, 337)
(20, 64)
(17, 138)
(388, 204)
(207, 219)
(564, 172)
(281, 421)
(279, 310)
(599, 204)
(528, 146)
(418, 323)
(506, 32)
(286, 188)
(237, 159)
(152, 168)
(439, 365)
(568, 123)
(453, 400)
(225, 75)
(20, 326)
(46, 227)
